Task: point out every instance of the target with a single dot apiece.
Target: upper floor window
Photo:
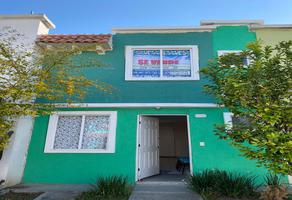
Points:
(246, 60)
(230, 120)
(162, 63)
(81, 132)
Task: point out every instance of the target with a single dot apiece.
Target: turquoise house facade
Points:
(158, 90)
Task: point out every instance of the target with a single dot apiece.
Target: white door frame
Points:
(137, 140)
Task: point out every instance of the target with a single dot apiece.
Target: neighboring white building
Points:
(13, 159)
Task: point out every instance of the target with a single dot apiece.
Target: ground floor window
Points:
(81, 132)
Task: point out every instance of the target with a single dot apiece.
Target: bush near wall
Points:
(108, 188)
(215, 184)
(220, 184)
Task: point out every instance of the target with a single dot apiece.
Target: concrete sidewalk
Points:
(146, 190)
(162, 191)
(51, 191)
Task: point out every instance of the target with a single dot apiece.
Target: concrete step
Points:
(164, 196)
(160, 188)
(161, 191)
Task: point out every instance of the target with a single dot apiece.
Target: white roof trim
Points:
(231, 22)
(41, 17)
(269, 26)
(163, 29)
(206, 25)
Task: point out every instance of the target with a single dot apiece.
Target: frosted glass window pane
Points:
(67, 133)
(96, 130)
(176, 63)
(146, 63)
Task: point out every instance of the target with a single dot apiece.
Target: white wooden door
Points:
(148, 147)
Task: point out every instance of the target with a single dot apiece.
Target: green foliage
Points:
(273, 180)
(236, 185)
(108, 188)
(213, 184)
(27, 73)
(204, 184)
(259, 93)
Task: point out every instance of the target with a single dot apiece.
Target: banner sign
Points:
(175, 63)
(146, 63)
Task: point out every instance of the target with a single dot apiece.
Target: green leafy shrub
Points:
(212, 184)
(273, 180)
(108, 188)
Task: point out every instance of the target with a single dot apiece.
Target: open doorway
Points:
(163, 148)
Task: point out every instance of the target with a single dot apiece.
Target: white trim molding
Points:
(52, 128)
(190, 144)
(205, 26)
(138, 105)
(224, 52)
(194, 56)
(163, 29)
(271, 26)
(231, 22)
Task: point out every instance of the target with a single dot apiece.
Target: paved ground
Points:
(163, 191)
(154, 188)
(51, 191)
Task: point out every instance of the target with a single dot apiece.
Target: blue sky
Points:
(100, 16)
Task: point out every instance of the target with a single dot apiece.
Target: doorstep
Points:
(162, 191)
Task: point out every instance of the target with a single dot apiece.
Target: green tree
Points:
(259, 96)
(45, 73)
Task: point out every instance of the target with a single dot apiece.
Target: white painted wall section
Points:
(13, 160)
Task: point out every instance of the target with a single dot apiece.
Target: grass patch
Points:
(215, 184)
(19, 196)
(108, 188)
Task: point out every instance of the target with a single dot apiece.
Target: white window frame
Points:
(224, 52)
(52, 127)
(228, 120)
(194, 62)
